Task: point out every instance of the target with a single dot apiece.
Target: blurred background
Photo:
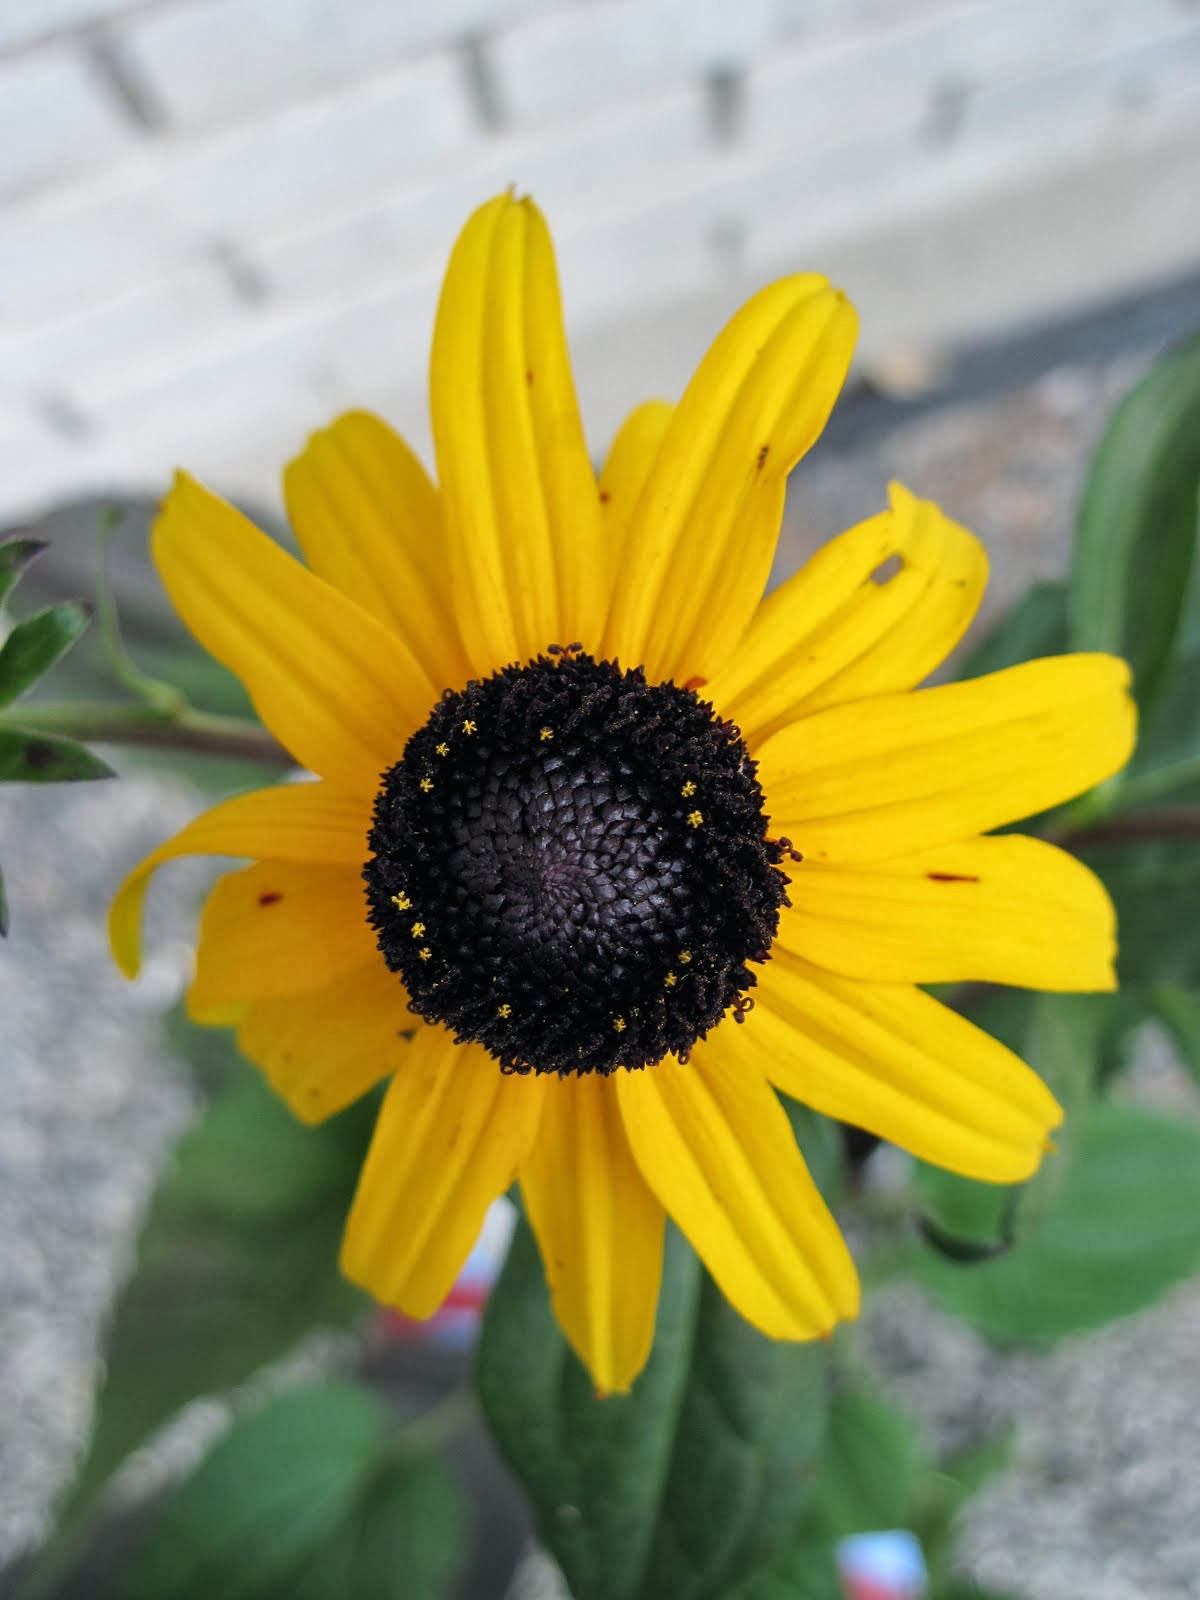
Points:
(222, 221)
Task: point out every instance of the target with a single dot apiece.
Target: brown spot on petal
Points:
(270, 897)
(951, 877)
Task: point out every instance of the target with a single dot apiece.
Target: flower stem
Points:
(160, 727)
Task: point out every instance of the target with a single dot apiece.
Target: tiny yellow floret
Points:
(695, 818)
(442, 749)
(504, 1011)
(401, 902)
(424, 952)
(688, 790)
(685, 956)
(670, 980)
(546, 733)
(468, 726)
(426, 785)
(619, 1024)
(418, 928)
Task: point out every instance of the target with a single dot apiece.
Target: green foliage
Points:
(306, 1497)
(1125, 1227)
(682, 1487)
(1035, 626)
(1155, 886)
(34, 645)
(1136, 538)
(1180, 1011)
(15, 556)
(236, 1261)
(28, 757)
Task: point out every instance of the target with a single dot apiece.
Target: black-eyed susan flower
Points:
(605, 848)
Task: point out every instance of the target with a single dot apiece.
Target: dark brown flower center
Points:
(570, 866)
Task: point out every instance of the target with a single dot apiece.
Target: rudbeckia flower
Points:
(604, 848)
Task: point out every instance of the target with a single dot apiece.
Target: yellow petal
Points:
(523, 527)
(369, 522)
(599, 1227)
(891, 1059)
(334, 687)
(703, 533)
(320, 1051)
(302, 822)
(279, 928)
(1000, 910)
(716, 1147)
(873, 612)
(452, 1132)
(624, 474)
(900, 773)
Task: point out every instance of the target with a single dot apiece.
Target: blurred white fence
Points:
(221, 220)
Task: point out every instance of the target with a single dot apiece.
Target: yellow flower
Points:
(561, 872)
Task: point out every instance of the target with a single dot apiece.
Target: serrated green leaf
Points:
(34, 645)
(1136, 536)
(1125, 1228)
(15, 556)
(682, 1487)
(303, 1497)
(1179, 1009)
(1035, 626)
(236, 1261)
(30, 757)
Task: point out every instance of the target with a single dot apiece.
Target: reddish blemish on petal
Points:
(951, 877)
(270, 897)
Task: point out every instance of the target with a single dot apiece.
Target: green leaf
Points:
(1059, 1036)
(33, 646)
(870, 1473)
(682, 1487)
(1125, 1228)
(302, 1498)
(1180, 1011)
(236, 1261)
(1136, 537)
(15, 556)
(1165, 768)
(29, 757)
(1155, 886)
(1035, 626)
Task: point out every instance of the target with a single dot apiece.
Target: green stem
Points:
(157, 727)
(1144, 786)
(164, 697)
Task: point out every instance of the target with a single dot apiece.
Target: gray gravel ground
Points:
(1104, 1499)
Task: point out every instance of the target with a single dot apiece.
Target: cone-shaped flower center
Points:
(570, 866)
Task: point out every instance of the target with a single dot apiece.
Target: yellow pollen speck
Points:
(426, 785)
(424, 952)
(504, 1010)
(670, 980)
(688, 790)
(442, 749)
(418, 928)
(546, 733)
(685, 956)
(468, 726)
(695, 818)
(619, 1024)
(401, 902)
